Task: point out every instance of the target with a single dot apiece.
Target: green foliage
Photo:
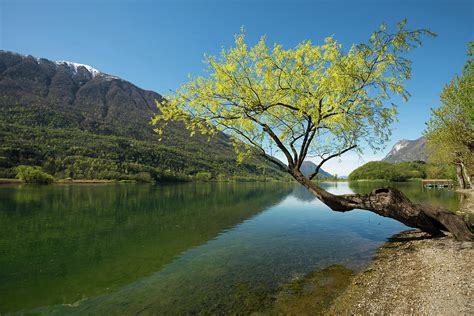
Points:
(33, 174)
(380, 170)
(203, 176)
(248, 178)
(440, 171)
(77, 154)
(221, 177)
(317, 98)
(450, 129)
(469, 66)
(143, 177)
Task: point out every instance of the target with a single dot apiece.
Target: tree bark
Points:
(391, 202)
(467, 178)
(460, 176)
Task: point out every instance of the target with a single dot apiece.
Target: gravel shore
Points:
(414, 274)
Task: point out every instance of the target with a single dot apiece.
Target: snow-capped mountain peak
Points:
(75, 66)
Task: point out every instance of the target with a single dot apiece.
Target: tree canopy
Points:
(450, 129)
(317, 100)
(311, 100)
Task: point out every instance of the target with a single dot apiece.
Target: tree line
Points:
(404, 171)
(78, 154)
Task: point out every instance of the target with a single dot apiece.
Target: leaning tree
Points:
(312, 100)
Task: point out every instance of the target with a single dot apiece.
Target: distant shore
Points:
(414, 274)
(105, 181)
(61, 181)
(88, 181)
(10, 181)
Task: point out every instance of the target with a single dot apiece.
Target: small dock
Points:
(437, 183)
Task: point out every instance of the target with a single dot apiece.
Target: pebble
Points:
(430, 279)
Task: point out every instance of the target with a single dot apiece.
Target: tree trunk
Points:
(467, 178)
(460, 176)
(390, 202)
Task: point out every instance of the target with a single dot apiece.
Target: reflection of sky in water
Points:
(290, 239)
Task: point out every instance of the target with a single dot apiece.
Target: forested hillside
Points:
(78, 122)
(404, 171)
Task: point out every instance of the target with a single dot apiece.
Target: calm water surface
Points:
(175, 249)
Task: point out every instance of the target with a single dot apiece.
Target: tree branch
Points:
(327, 158)
(275, 138)
(278, 163)
(307, 137)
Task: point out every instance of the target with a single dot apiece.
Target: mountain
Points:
(76, 121)
(407, 150)
(308, 167)
(72, 95)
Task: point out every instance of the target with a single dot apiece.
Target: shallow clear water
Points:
(176, 249)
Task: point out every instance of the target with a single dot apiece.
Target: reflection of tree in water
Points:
(302, 194)
(101, 237)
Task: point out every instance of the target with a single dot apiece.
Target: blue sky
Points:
(156, 44)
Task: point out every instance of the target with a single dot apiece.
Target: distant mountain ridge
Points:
(308, 167)
(77, 95)
(407, 150)
(77, 121)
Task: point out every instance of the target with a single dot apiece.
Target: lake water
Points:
(176, 249)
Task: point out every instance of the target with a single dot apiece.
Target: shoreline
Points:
(61, 181)
(414, 274)
(4, 181)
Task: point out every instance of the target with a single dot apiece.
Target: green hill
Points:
(78, 122)
(380, 170)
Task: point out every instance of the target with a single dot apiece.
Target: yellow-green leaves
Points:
(301, 98)
(450, 129)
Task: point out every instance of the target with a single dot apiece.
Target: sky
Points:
(156, 44)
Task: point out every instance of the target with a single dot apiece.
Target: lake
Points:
(177, 249)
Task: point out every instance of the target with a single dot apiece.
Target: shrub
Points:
(33, 174)
(143, 177)
(222, 177)
(7, 173)
(244, 178)
(203, 176)
(167, 176)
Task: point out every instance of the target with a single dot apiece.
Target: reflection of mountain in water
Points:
(73, 242)
(302, 194)
(238, 270)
